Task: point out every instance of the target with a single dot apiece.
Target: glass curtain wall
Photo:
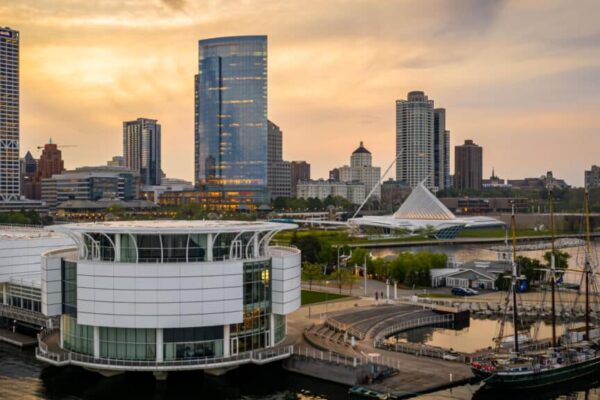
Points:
(198, 243)
(128, 249)
(279, 328)
(252, 333)
(77, 338)
(69, 287)
(182, 343)
(128, 343)
(149, 249)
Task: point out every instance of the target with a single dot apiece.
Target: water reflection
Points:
(22, 377)
(479, 335)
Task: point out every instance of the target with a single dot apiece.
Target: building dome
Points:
(361, 150)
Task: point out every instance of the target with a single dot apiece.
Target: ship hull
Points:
(532, 380)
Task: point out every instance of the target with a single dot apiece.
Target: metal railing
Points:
(25, 315)
(257, 357)
(411, 324)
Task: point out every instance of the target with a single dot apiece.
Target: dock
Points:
(17, 339)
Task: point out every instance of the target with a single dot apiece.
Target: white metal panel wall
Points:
(51, 285)
(170, 295)
(22, 256)
(286, 280)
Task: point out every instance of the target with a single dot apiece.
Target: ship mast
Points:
(552, 267)
(514, 278)
(588, 266)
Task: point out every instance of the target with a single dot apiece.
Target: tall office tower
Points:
(9, 115)
(141, 149)
(468, 166)
(300, 173)
(278, 170)
(231, 117)
(441, 149)
(415, 139)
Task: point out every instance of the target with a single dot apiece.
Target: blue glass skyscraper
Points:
(231, 118)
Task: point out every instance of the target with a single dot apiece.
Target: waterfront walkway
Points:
(325, 330)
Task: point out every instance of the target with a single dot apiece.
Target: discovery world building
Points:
(164, 296)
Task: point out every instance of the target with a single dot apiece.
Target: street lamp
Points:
(326, 297)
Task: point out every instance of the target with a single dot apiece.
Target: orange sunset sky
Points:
(521, 78)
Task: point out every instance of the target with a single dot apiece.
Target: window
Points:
(77, 338)
(128, 343)
(149, 248)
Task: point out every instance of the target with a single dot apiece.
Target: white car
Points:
(472, 291)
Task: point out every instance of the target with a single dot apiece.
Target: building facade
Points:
(169, 295)
(300, 171)
(142, 149)
(592, 177)
(362, 171)
(321, 189)
(422, 142)
(91, 183)
(468, 166)
(231, 116)
(9, 115)
(279, 172)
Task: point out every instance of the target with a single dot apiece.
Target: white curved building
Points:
(168, 295)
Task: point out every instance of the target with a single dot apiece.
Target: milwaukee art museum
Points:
(422, 210)
(168, 295)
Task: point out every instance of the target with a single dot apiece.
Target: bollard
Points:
(450, 377)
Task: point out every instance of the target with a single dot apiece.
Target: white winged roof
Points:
(422, 204)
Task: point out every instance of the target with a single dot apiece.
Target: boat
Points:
(561, 362)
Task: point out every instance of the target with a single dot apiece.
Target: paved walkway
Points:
(16, 338)
(416, 373)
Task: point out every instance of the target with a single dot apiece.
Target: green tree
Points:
(348, 278)
(310, 246)
(561, 259)
(311, 272)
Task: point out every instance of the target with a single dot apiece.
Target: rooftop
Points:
(22, 232)
(172, 226)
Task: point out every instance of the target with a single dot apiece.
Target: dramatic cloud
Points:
(518, 77)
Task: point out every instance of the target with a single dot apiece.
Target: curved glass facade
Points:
(231, 113)
(254, 332)
(77, 338)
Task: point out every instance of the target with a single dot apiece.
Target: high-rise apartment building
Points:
(141, 149)
(468, 166)
(422, 142)
(9, 115)
(278, 171)
(231, 117)
(51, 161)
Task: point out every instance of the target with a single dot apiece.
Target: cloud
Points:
(175, 4)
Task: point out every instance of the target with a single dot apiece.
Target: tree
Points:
(561, 259)
(348, 278)
(311, 272)
(310, 246)
(530, 268)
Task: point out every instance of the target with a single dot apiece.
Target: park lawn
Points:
(436, 296)
(311, 297)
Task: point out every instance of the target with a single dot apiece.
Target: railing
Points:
(421, 350)
(413, 323)
(257, 357)
(340, 327)
(25, 315)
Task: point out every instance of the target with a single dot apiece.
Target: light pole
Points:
(326, 297)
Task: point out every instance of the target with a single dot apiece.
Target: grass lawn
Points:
(436, 296)
(309, 297)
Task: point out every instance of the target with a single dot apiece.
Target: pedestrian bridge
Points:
(28, 316)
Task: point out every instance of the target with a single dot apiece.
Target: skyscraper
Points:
(141, 149)
(468, 166)
(231, 116)
(422, 138)
(300, 172)
(9, 115)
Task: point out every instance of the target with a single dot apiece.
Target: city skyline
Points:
(514, 77)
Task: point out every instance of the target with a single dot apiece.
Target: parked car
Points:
(472, 291)
(458, 291)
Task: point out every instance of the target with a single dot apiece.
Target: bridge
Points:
(28, 316)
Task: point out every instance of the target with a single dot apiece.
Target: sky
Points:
(520, 78)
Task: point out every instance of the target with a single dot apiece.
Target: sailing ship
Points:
(562, 362)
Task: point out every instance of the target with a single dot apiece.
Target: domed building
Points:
(361, 170)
